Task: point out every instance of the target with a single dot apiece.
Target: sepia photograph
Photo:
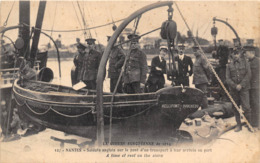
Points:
(129, 81)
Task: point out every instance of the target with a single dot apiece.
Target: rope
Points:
(77, 15)
(5, 23)
(76, 30)
(50, 108)
(35, 111)
(131, 115)
(53, 24)
(216, 75)
(83, 19)
(71, 116)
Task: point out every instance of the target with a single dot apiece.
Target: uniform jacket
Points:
(183, 66)
(254, 65)
(222, 55)
(157, 75)
(90, 65)
(201, 71)
(78, 62)
(116, 62)
(238, 75)
(136, 67)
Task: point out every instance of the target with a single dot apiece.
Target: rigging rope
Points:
(5, 23)
(215, 74)
(52, 25)
(77, 16)
(83, 19)
(75, 30)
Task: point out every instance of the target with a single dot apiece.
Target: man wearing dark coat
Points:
(201, 75)
(78, 62)
(254, 86)
(156, 79)
(90, 66)
(238, 74)
(116, 61)
(184, 67)
(134, 76)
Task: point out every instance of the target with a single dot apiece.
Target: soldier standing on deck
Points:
(91, 62)
(184, 68)
(254, 86)
(116, 61)
(156, 79)
(78, 61)
(201, 75)
(136, 67)
(238, 75)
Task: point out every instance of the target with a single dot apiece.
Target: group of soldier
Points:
(241, 75)
(243, 87)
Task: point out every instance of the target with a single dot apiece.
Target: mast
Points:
(37, 32)
(24, 18)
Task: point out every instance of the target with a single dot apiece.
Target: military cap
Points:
(133, 37)
(81, 46)
(236, 42)
(163, 47)
(181, 46)
(90, 41)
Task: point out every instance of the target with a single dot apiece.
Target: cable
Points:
(5, 23)
(77, 16)
(76, 30)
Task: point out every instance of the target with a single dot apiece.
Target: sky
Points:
(244, 16)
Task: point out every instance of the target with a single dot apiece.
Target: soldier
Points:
(201, 76)
(116, 61)
(184, 68)
(254, 83)
(78, 62)
(136, 67)
(238, 74)
(91, 62)
(156, 79)
(222, 56)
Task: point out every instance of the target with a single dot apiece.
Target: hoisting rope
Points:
(83, 19)
(52, 25)
(216, 75)
(77, 16)
(117, 83)
(5, 23)
(76, 30)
